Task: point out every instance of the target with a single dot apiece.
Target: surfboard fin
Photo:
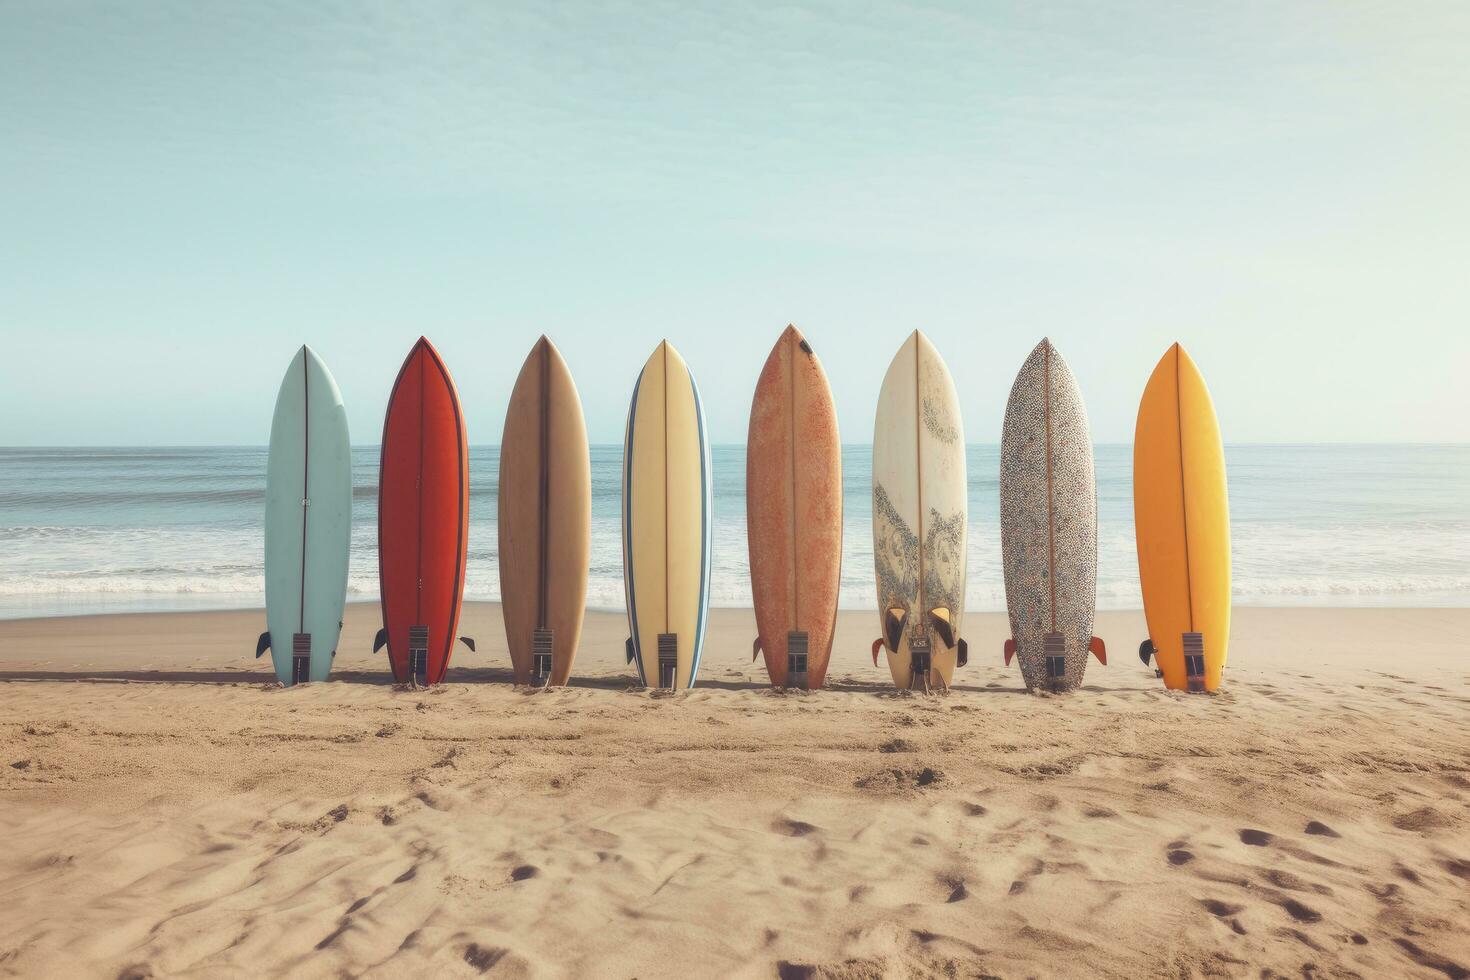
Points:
(877, 645)
(469, 641)
(628, 648)
(755, 649)
(939, 619)
(263, 644)
(1098, 649)
(1010, 651)
(1146, 651)
(964, 656)
(893, 624)
(381, 640)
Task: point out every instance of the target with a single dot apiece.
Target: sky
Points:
(191, 190)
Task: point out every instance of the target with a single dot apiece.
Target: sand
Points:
(168, 812)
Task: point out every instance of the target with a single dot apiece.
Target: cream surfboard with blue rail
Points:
(308, 522)
(667, 511)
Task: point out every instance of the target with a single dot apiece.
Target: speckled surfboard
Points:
(920, 518)
(1048, 524)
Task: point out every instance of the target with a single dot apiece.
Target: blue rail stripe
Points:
(630, 591)
(706, 531)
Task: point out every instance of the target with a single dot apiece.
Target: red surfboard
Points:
(423, 519)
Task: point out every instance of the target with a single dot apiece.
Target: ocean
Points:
(145, 529)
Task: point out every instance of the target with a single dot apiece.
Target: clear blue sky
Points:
(188, 191)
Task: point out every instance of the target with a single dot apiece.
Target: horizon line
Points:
(17, 447)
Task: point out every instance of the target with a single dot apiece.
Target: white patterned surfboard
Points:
(920, 518)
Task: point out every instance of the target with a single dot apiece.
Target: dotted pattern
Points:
(1025, 543)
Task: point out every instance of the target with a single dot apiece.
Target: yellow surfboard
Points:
(1182, 518)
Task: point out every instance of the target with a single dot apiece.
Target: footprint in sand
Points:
(1432, 960)
(482, 958)
(1221, 909)
(1298, 911)
(1226, 912)
(1318, 829)
(1256, 838)
(794, 828)
(524, 871)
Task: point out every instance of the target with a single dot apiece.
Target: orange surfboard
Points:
(793, 507)
(1182, 517)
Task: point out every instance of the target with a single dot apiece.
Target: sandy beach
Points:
(169, 811)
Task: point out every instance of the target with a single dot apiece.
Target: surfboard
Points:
(1048, 524)
(920, 516)
(666, 522)
(1182, 516)
(545, 519)
(308, 522)
(793, 508)
(423, 519)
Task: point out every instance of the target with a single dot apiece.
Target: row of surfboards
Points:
(794, 516)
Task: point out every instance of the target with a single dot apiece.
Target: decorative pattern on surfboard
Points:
(1048, 519)
(920, 509)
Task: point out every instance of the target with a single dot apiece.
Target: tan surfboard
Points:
(920, 516)
(545, 519)
(793, 507)
(666, 522)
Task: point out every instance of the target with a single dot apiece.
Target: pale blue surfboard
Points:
(308, 522)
